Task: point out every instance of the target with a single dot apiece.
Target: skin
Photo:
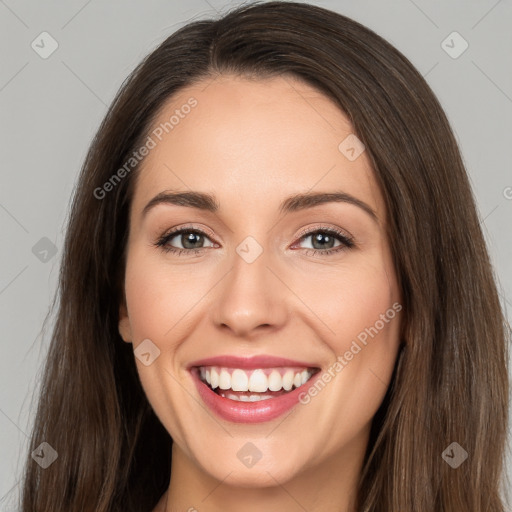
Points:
(251, 143)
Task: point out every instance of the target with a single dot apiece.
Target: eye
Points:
(324, 240)
(189, 239)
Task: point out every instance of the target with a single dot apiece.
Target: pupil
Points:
(190, 238)
(319, 237)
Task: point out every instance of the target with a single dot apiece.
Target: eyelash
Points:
(347, 242)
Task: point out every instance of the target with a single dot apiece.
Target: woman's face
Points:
(271, 283)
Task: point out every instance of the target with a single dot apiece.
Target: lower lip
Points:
(249, 412)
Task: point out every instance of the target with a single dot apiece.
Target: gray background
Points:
(51, 108)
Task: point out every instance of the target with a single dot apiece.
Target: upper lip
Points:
(249, 363)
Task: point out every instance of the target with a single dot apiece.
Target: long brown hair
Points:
(450, 382)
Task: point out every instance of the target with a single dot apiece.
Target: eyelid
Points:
(191, 227)
(322, 227)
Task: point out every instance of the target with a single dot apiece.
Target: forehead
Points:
(253, 142)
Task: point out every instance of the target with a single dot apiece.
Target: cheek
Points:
(362, 312)
(351, 301)
(159, 296)
(365, 318)
(158, 300)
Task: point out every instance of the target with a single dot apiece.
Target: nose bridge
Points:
(250, 295)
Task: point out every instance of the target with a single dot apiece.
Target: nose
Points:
(251, 298)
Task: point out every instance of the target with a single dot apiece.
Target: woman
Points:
(275, 293)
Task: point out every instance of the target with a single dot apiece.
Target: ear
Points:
(124, 326)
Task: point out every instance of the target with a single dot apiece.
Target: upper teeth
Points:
(260, 380)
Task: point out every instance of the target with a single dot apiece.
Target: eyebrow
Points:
(297, 202)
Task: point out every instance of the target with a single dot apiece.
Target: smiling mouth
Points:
(254, 385)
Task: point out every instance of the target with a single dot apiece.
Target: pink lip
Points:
(249, 412)
(249, 363)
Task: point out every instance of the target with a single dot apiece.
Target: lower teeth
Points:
(245, 398)
(248, 396)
